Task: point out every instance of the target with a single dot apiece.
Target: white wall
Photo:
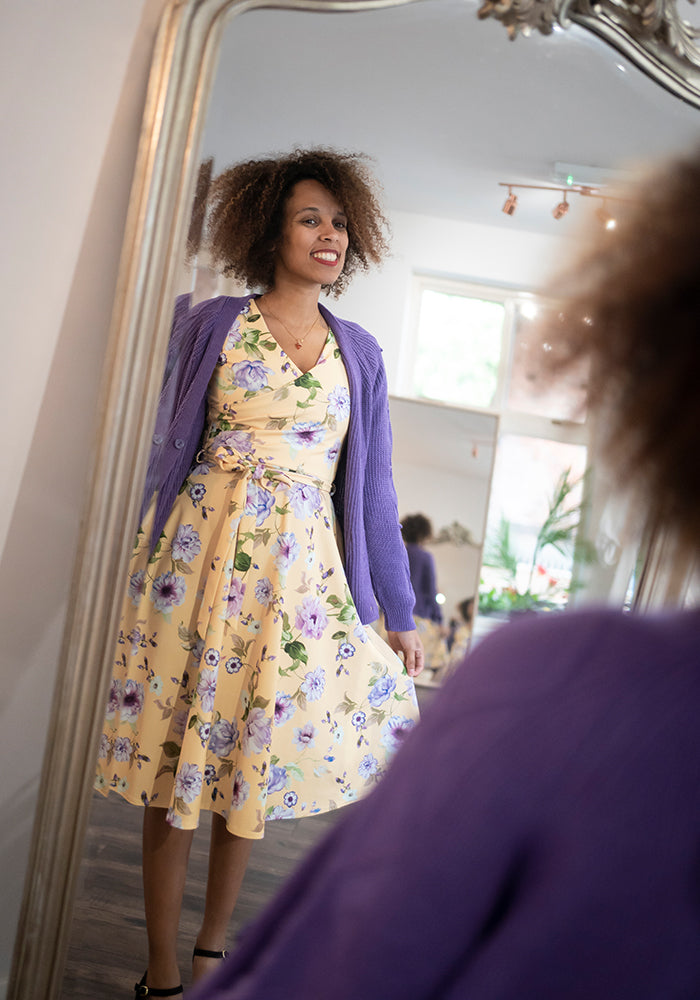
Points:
(74, 77)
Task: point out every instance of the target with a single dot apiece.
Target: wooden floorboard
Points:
(107, 952)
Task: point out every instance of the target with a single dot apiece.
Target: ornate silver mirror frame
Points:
(183, 66)
(653, 36)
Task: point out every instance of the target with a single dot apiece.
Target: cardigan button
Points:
(157, 439)
(179, 444)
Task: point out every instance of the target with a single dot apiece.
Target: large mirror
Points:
(449, 108)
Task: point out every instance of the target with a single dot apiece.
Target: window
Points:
(477, 346)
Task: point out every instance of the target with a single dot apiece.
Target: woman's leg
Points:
(166, 851)
(228, 859)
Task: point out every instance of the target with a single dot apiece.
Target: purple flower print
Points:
(209, 773)
(279, 812)
(188, 782)
(168, 590)
(234, 335)
(131, 701)
(310, 618)
(345, 650)
(394, 731)
(314, 683)
(250, 375)
(263, 591)
(368, 765)
(186, 543)
(339, 402)
(360, 632)
(137, 586)
(197, 650)
(240, 792)
(233, 664)
(332, 452)
(285, 550)
(284, 708)
(137, 638)
(212, 657)
(197, 493)
(304, 736)
(115, 697)
(257, 732)
(304, 499)
(206, 689)
(305, 434)
(380, 691)
(277, 779)
(204, 732)
(230, 441)
(233, 597)
(259, 502)
(223, 737)
(123, 749)
(358, 720)
(104, 746)
(290, 799)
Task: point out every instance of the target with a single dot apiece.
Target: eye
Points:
(341, 225)
(311, 221)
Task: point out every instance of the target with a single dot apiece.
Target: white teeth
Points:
(326, 256)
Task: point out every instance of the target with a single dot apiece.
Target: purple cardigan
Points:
(537, 837)
(364, 498)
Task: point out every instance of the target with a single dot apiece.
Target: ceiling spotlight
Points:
(511, 202)
(560, 210)
(606, 219)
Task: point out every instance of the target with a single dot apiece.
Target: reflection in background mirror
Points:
(448, 108)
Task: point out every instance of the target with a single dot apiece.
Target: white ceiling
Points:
(446, 104)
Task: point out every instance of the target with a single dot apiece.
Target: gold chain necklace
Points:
(298, 341)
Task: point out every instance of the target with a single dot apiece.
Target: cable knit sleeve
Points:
(388, 560)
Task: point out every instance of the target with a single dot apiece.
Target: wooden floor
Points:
(108, 941)
(107, 952)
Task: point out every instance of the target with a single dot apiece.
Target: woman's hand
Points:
(410, 645)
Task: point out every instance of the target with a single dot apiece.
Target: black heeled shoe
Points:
(141, 990)
(205, 953)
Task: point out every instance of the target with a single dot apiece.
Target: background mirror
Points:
(448, 108)
(443, 462)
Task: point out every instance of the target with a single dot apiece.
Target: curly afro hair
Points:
(246, 212)
(631, 308)
(416, 528)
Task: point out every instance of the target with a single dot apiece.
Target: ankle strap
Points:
(205, 953)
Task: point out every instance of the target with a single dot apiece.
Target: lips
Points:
(327, 257)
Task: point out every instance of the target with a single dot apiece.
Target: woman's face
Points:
(314, 237)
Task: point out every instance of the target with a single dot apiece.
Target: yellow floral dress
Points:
(244, 682)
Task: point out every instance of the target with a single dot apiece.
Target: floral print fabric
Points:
(244, 682)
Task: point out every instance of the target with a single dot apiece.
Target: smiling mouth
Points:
(326, 256)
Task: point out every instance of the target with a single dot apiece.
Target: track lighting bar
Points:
(562, 207)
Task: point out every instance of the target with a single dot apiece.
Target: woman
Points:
(416, 530)
(245, 681)
(556, 774)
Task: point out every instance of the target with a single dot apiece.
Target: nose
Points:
(329, 233)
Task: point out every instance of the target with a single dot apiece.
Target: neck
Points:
(294, 303)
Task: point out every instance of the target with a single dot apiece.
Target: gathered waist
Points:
(259, 469)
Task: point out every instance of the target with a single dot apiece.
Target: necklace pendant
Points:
(298, 345)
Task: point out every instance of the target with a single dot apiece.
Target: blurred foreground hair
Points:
(630, 307)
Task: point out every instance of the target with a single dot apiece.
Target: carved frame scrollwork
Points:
(651, 35)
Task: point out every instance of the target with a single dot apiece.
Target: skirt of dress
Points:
(244, 682)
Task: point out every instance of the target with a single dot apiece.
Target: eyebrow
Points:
(314, 208)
